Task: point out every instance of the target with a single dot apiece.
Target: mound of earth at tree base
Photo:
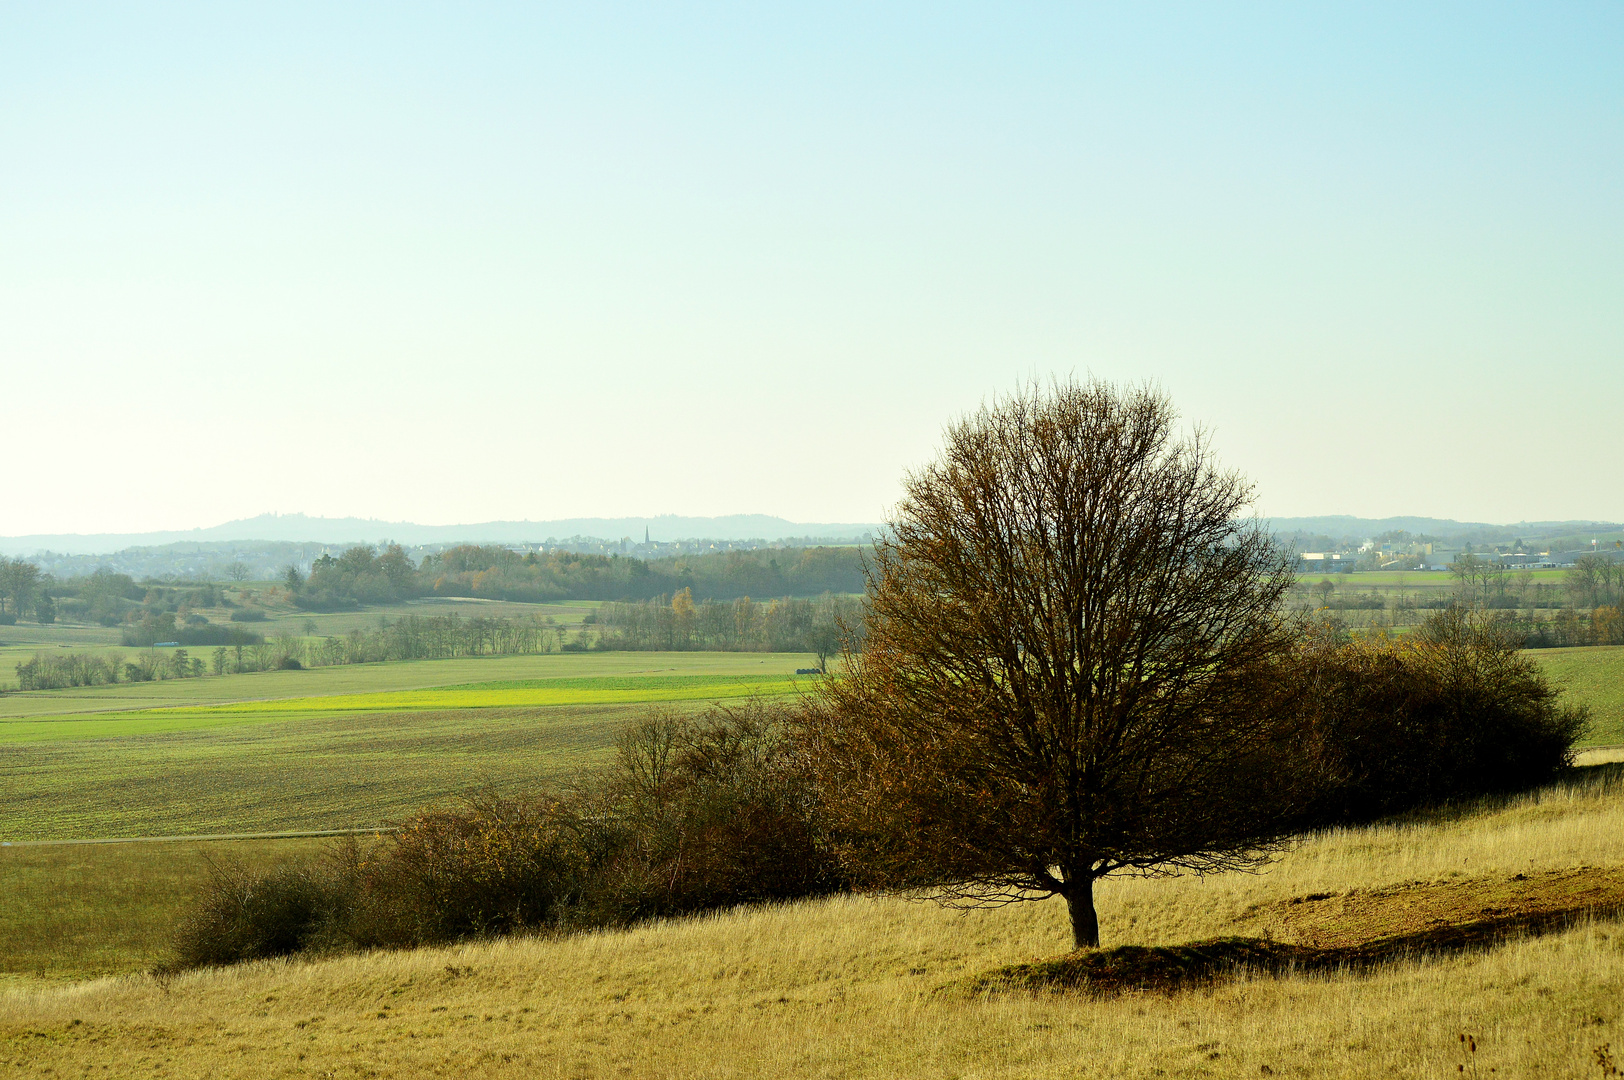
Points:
(1333, 932)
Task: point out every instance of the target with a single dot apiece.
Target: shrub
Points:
(248, 615)
(695, 814)
(1452, 711)
(495, 866)
(248, 916)
(707, 812)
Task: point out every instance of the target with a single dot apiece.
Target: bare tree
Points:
(1595, 579)
(237, 571)
(823, 640)
(1070, 664)
(1479, 578)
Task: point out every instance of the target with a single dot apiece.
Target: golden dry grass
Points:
(846, 988)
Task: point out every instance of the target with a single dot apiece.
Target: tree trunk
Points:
(1085, 922)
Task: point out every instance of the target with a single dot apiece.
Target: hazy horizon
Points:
(498, 263)
(668, 527)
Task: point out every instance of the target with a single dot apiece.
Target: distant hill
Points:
(299, 528)
(665, 528)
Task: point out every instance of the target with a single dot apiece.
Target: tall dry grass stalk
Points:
(844, 987)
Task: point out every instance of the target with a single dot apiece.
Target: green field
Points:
(356, 746)
(323, 773)
(82, 910)
(529, 693)
(326, 749)
(524, 694)
(358, 679)
(1593, 677)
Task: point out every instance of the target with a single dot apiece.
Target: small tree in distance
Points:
(1073, 664)
(823, 641)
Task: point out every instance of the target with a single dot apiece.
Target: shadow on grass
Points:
(1165, 969)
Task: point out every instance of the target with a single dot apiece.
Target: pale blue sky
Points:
(446, 265)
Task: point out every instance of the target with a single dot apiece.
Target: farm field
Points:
(1590, 676)
(860, 986)
(354, 746)
(360, 679)
(347, 771)
(86, 910)
(20, 642)
(79, 773)
(512, 695)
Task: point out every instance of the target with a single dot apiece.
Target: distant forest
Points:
(364, 575)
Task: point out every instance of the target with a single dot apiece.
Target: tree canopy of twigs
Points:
(1072, 665)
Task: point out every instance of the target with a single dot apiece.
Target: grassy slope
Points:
(845, 988)
(1593, 677)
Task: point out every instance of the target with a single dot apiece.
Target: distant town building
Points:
(1438, 557)
(1568, 558)
(1528, 560)
(1327, 562)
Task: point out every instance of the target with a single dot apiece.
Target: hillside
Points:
(876, 987)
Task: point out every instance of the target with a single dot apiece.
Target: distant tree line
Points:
(163, 626)
(46, 671)
(743, 625)
(1582, 607)
(1597, 581)
(436, 637)
(412, 638)
(1588, 601)
(364, 575)
(112, 599)
(23, 592)
(1600, 626)
(415, 637)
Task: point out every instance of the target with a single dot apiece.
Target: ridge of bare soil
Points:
(1360, 916)
(1354, 930)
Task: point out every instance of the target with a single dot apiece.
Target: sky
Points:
(456, 263)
